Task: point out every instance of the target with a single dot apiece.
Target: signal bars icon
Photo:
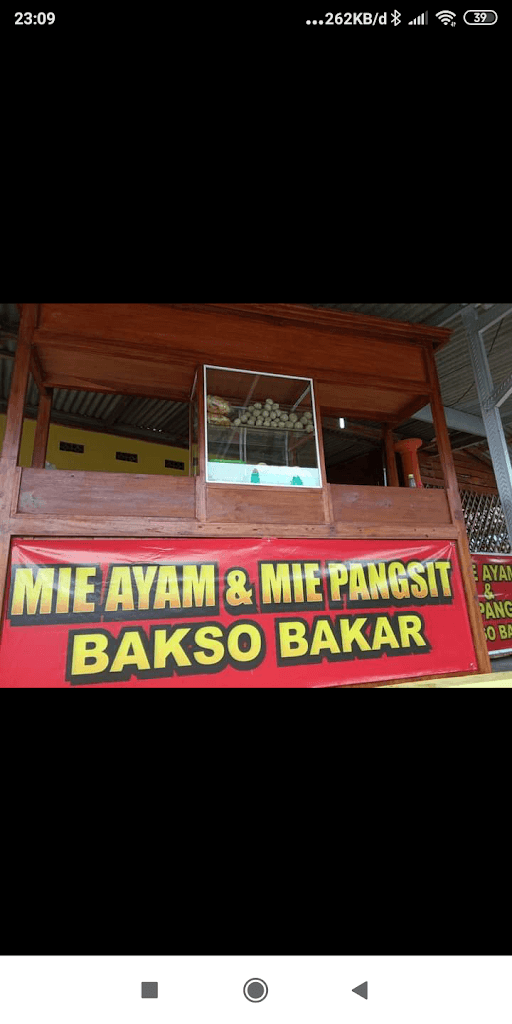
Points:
(422, 19)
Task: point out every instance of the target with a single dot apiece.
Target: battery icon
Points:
(480, 17)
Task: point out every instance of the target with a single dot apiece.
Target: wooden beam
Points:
(19, 382)
(35, 366)
(42, 431)
(326, 490)
(331, 319)
(29, 524)
(137, 390)
(452, 490)
(407, 412)
(9, 470)
(5, 549)
(111, 349)
(37, 373)
(201, 448)
(391, 466)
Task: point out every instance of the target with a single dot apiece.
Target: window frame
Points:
(261, 373)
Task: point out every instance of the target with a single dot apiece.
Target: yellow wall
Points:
(99, 451)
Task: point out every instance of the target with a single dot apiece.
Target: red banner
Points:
(493, 575)
(232, 613)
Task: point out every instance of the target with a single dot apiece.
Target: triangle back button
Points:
(362, 990)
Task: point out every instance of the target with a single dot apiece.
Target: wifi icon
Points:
(445, 16)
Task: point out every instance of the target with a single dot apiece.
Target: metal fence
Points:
(485, 522)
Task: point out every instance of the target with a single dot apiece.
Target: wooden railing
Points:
(70, 493)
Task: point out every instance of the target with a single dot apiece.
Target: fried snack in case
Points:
(218, 405)
(216, 419)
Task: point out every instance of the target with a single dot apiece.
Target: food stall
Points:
(254, 570)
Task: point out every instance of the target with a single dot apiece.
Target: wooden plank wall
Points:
(472, 473)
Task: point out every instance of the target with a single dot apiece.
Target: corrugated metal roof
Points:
(405, 312)
(168, 421)
(458, 388)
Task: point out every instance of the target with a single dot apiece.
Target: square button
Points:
(150, 990)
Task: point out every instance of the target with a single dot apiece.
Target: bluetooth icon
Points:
(395, 17)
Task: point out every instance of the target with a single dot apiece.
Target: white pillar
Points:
(490, 415)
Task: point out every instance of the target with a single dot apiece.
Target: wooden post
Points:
(191, 435)
(42, 430)
(201, 448)
(9, 473)
(326, 488)
(393, 480)
(452, 492)
(19, 382)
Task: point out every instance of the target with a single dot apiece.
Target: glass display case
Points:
(260, 429)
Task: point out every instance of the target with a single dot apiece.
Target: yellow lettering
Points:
(167, 590)
(312, 582)
(378, 581)
(384, 634)
(351, 632)
(203, 638)
(398, 582)
(410, 628)
(275, 583)
(234, 642)
(236, 594)
(358, 590)
(130, 652)
(323, 638)
(432, 582)
(298, 583)
(143, 582)
(292, 641)
(164, 647)
(37, 592)
(120, 591)
(63, 590)
(442, 568)
(419, 587)
(82, 588)
(338, 577)
(88, 654)
(199, 588)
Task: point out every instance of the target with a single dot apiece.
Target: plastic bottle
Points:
(411, 481)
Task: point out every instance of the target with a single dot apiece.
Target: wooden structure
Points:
(361, 366)
(473, 472)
